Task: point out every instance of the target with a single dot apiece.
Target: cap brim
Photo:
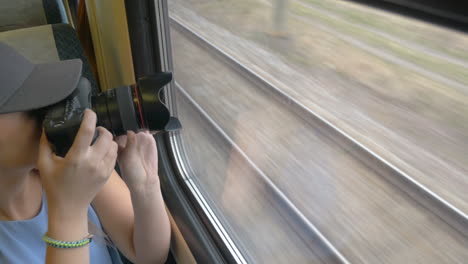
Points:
(47, 84)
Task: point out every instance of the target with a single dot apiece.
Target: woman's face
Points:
(19, 140)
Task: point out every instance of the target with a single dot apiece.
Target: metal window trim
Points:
(177, 153)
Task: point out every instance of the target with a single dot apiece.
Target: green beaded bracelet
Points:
(67, 244)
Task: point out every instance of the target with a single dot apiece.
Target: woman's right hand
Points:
(72, 182)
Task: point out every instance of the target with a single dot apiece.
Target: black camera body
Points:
(135, 107)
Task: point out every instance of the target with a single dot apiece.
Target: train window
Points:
(323, 130)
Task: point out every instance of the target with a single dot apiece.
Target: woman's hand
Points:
(72, 182)
(138, 161)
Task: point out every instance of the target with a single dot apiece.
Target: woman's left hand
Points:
(138, 160)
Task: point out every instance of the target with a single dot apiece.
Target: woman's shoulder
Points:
(21, 241)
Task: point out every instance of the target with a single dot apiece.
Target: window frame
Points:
(202, 230)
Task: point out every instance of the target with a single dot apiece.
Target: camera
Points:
(136, 107)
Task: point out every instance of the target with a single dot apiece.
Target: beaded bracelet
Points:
(67, 244)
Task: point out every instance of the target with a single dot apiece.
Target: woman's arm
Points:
(152, 225)
(138, 161)
(133, 213)
(71, 183)
(114, 208)
(134, 220)
(67, 226)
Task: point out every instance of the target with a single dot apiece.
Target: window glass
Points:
(323, 130)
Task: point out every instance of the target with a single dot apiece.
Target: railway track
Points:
(394, 180)
(425, 196)
(302, 226)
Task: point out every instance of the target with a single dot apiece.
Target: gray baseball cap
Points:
(26, 86)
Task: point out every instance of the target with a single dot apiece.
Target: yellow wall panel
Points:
(109, 31)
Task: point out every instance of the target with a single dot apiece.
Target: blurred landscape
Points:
(396, 85)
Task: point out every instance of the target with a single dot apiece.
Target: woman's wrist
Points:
(68, 225)
(142, 190)
(66, 209)
(145, 196)
(66, 214)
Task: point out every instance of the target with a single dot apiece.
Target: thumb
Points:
(127, 146)
(126, 154)
(45, 151)
(121, 143)
(131, 141)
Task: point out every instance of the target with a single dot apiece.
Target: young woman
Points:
(45, 199)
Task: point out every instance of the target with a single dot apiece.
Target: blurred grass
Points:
(403, 28)
(435, 65)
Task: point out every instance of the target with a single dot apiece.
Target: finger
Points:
(131, 141)
(150, 143)
(85, 134)
(110, 157)
(102, 144)
(147, 139)
(144, 143)
(140, 141)
(45, 151)
(121, 142)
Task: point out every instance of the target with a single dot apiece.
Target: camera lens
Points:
(115, 110)
(133, 107)
(149, 89)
